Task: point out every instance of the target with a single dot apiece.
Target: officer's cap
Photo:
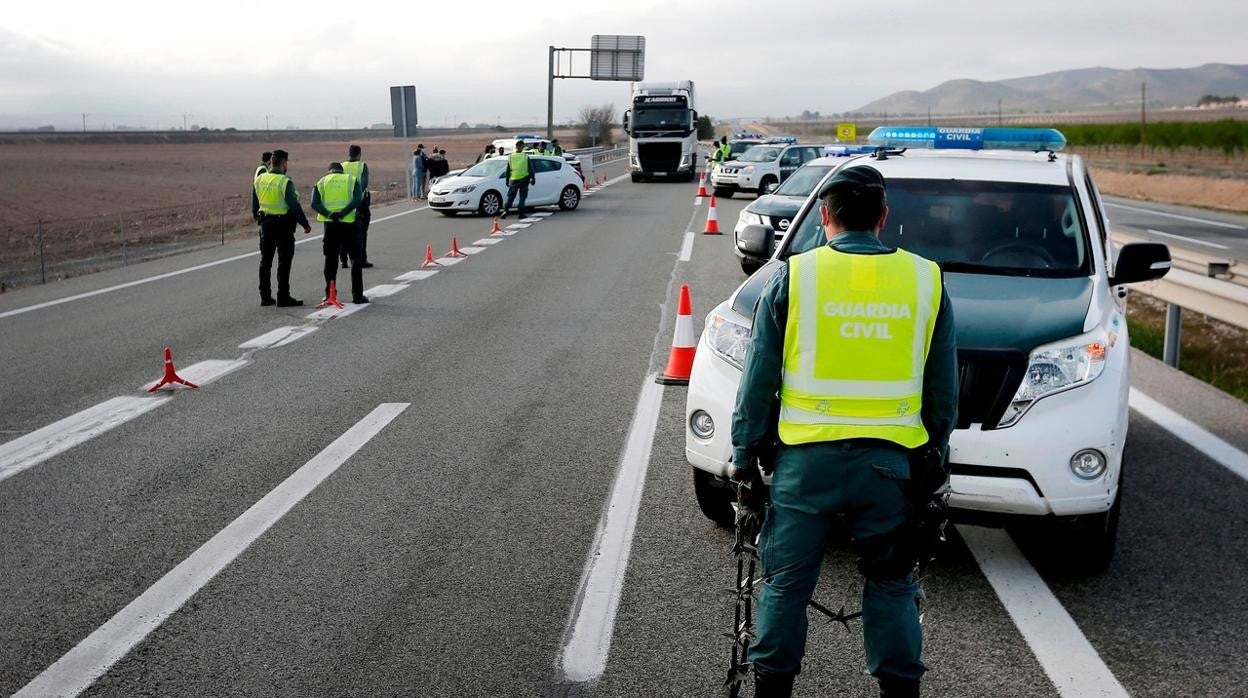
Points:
(859, 177)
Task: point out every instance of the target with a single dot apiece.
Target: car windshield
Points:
(740, 147)
(803, 181)
(1005, 228)
(760, 154)
(486, 168)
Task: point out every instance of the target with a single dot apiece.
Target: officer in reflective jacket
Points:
(856, 339)
(357, 168)
(519, 176)
(275, 206)
(336, 199)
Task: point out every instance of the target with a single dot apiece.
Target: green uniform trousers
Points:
(866, 482)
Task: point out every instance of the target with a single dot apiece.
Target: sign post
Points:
(611, 57)
(403, 116)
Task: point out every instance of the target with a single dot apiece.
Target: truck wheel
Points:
(721, 193)
(767, 182)
(714, 498)
(636, 177)
(687, 178)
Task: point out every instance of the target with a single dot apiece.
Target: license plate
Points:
(660, 174)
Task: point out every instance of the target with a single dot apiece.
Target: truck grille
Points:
(987, 380)
(658, 157)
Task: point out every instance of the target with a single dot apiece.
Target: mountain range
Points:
(1086, 89)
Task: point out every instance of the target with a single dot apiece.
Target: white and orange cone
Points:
(702, 185)
(429, 260)
(496, 230)
(712, 220)
(455, 251)
(684, 344)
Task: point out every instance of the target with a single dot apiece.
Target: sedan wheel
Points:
(570, 198)
(491, 203)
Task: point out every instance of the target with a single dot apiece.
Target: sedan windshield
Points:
(803, 182)
(760, 154)
(1003, 228)
(486, 168)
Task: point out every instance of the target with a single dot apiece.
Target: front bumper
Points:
(734, 181)
(451, 201)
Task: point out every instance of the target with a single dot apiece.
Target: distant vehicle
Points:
(740, 145)
(776, 210)
(482, 188)
(782, 139)
(662, 131)
(761, 167)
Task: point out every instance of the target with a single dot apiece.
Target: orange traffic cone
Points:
(429, 262)
(684, 344)
(702, 186)
(455, 249)
(171, 376)
(496, 230)
(586, 186)
(331, 298)
(712, 220)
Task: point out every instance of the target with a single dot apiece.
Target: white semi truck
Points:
(662, 128)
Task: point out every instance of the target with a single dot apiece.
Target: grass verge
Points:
(1213, 351)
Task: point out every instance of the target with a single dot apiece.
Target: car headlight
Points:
(1057, 367)
(748, 218)
(747, 169)
(727, 338)
(466, 190)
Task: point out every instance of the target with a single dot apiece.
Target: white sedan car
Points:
(482, 188)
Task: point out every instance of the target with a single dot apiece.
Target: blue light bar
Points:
(941, 138)
(845, 151)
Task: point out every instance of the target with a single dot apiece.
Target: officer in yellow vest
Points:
(275, 206)
(357, 168)
(856, 339)
(265, 158)
(519, 176)
(336, 200)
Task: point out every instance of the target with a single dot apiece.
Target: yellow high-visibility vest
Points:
(259, 171)
(355, 168)
(855, 344)
(271, 193)
(519, 164)
(336, 190)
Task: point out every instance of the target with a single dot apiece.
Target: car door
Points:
(545, 189)
(790, 160)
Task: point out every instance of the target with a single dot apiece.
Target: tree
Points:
(604, 116)
(706, 128)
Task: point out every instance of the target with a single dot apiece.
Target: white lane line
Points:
(1065, 654)
(278, 338)
(1187, 239)
(542, 214)
(1192, 219)
(584, 655)
(166, 275)
(416, 275)
(37, 446)
(488, 241)
(204, 372)
(470, 250)
(90, 659)
(516, 226)
(449, 261)
(400, 213)
(332, 312)
(529, 220)
(383, 290)
(1193, 434)
(686, 247)
(697, 201)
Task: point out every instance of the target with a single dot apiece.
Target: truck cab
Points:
(662, 131)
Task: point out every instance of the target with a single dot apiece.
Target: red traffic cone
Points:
(712, 220)
(429, 262)
(455, 249)
(171, 376)
(331, 298)
(702, 186)
(496, 230)
(586, 186)
(684, 344)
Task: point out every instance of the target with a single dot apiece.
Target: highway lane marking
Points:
(584, 655)
(488, 241)
(332, 312)
(1187, 239)
(449, 261)
(204, 372)
(470, 250)
(168, 275)
(1193, 434)
(686, 247)
(542, 214)
(416, 275)
(279, 337)
(91, 658)
(529, 221)
(1191, 219)
(383, 290)
(1065, 654)
(34, 448)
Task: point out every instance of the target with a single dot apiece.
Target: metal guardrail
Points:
(1213, 286)
(600, 156)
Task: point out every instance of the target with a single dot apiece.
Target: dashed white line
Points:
(488, 241)
(416, 275)
(205, 372)
(449, 261)
(1187, 239)
(278, 338)
(1192, 219)
(1193, 434)
(686, 247)
(98, 652)
(470, 250)
(332, 312)
(383, 290)
(37, 446)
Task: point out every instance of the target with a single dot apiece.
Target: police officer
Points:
(337, 199)
(857, 341)
(486, 154)
(263, 167)
(275, 206)
(519, 176)
(723, 151)
(553, 148)
(357, 168)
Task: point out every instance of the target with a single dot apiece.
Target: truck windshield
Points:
(760, 154)
(661, 119)
(1005, 228)
(803, 182)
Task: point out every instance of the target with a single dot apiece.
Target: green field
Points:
(1227, 136)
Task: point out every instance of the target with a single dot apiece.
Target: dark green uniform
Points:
(863, 479)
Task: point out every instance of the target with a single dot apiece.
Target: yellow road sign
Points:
(847, 132)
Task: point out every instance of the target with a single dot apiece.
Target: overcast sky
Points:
(229, 63)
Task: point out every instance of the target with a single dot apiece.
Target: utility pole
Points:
(929, 116)
(266, 123)
(1143, 101)
(84, 123)
(1000, 121)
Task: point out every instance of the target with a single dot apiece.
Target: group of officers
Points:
(341, 201)
(550, 148)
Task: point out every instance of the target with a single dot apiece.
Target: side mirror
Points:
(756, 241)
(627, 113)
(1140, 261)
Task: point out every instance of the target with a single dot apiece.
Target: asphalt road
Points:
(446, 554)
(1213, 233)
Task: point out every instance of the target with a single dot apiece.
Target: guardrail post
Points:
(121, 232)
(43, 268)
(223, 221)
(1174, 330)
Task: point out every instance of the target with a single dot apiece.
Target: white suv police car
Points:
(761, 167)
(1020, 232)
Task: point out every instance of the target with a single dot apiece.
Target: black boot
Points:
(892, 687)
(772, 685)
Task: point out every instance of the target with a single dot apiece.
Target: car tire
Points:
(715, 498)
(449, 214)
(723, 193)
(491, 203)
(687, 178)
(766, 182)
(636, 177)
(1088, 542)
(749, 266)
(569, 198)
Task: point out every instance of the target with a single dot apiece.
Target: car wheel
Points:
(715, 498)
(449, 214)
(749, 266)
(767, 182)
(636, 178)
(687, 178)
(1088, 541)
(570, 198)
(491, 203)
(723, 193)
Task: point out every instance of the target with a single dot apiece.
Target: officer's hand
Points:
(335, 216)
(307, 229)
(749, 483)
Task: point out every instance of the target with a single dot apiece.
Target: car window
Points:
(487, 168)
(544, 165)
(760, 154)
(740, 147)
(809, 154)
(792, 156)
(803, 181)
(1004, 228)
